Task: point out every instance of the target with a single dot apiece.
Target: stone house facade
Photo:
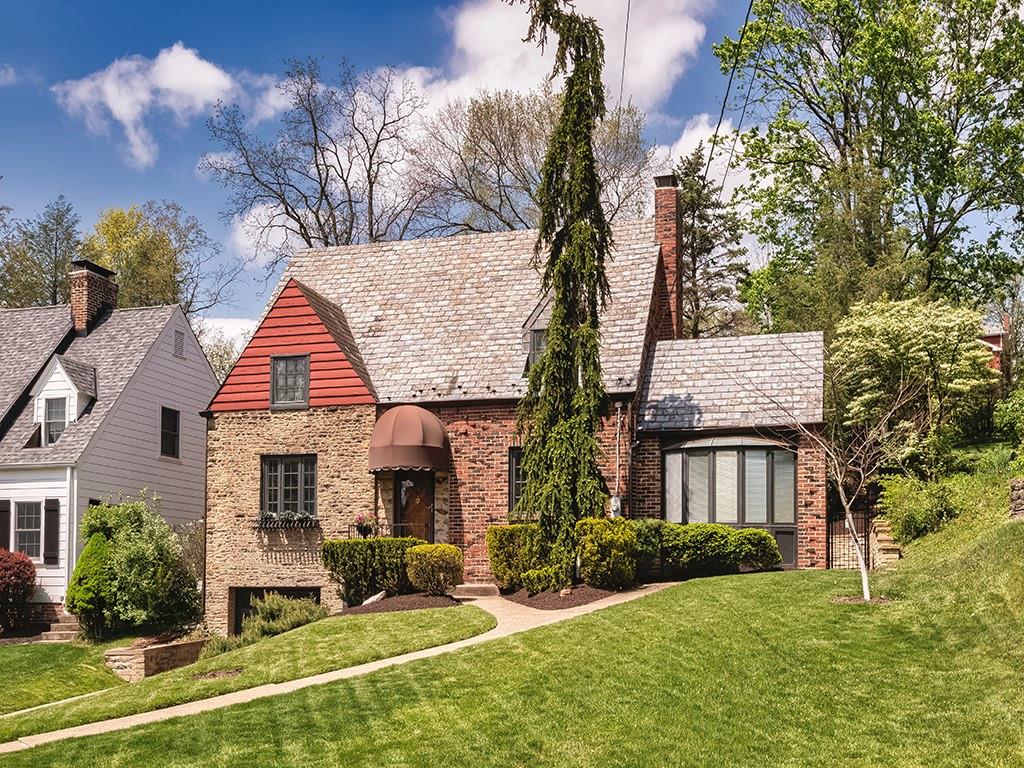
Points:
(383, 381)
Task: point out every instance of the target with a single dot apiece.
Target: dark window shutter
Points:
(51, 532)
(5, 524)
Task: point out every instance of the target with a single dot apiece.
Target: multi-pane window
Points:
(55, 418)
(28, 528)
(170, 432)
(735, 486)
(289, 381)
(289, 487)
(538, 343)
(516, 477)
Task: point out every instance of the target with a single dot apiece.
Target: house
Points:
(383, 380)
(95, 403)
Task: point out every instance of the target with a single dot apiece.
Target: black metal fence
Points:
(842, 549)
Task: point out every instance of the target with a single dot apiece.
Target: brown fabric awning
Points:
(408, 437)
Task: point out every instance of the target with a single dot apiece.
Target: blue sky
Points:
(69, 72)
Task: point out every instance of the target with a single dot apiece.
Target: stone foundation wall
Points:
(238, 553)
(134, 664)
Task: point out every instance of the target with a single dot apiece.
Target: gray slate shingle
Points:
(27, 339)
(442, 319)
(114, 349)
(730, 382)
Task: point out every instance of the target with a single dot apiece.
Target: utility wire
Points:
(625, 42)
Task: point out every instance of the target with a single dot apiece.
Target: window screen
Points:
(290, 380)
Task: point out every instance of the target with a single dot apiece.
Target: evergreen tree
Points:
(565, 397)
(711, 258)
(35, 258)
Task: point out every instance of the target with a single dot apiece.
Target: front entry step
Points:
(475, 590)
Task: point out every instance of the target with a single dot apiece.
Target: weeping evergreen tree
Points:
(561, 411)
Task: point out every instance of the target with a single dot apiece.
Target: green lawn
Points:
(37, 673)
(322, 646)
(759, 670)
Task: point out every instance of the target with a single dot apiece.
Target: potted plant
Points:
(364, 525)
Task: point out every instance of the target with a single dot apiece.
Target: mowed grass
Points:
(758, 670)
(322, 646)
(37, 673)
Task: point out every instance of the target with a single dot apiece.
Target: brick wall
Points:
(811, 517)
(666, 232)
(240, 555)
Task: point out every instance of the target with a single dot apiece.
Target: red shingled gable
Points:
(294, 327)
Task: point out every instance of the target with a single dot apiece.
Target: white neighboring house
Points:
(95, 403)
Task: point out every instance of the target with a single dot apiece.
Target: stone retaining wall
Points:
(134, 664)
(1017, 498)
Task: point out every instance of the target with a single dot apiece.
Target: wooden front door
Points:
(414, 504)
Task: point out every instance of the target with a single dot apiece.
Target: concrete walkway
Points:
(512, 618)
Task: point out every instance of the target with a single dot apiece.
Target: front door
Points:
(414, 504)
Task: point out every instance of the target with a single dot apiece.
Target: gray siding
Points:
(124, 456)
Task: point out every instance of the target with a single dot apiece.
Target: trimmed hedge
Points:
(648, 546)
(434, 568)
(756, 549)
(17, 582)
(364, 567)
(513, 550)
(607, 551)
(91, 589)
(711, 549)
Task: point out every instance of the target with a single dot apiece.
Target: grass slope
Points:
(741, 671)
(322, 646)
(37, 673)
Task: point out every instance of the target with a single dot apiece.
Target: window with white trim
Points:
(28, 528)
(55, 419)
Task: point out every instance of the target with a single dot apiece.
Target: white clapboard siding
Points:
(124, 458)
(30, 484)
(57, 385)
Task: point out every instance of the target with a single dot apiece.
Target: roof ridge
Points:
(35, 308)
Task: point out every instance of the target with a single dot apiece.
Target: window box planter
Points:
(275, 524)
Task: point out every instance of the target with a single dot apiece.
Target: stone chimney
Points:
(666, 232)
(93, 292)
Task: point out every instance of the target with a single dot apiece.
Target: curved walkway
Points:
(512, 618)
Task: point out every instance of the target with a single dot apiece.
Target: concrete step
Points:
(59, 636)
(65, 626)
(475, 590)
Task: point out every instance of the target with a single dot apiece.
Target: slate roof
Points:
(336, 324)
(734, 382)
(82, 375)
(114, 349)
(442, 319)
(27, 339)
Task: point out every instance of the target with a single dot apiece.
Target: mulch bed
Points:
(405, 603)
(581, 594)
(216, 674)
(23, 635)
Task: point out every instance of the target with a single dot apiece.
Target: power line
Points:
(625, 42)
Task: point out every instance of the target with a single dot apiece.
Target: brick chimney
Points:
(93, 292)
(666, 232)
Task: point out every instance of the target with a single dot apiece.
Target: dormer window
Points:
(538, 343)
(289, 381)
(55, 419)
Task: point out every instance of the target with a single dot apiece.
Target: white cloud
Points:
(8, 75)
(130, 91)
(254, 244)
(701, 128)
(488, 51)
(235, 329)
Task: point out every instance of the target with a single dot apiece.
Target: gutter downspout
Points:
(72, 485)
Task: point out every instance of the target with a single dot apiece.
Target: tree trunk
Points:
(861, 561)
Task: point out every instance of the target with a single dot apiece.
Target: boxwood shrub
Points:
(710, 549)
(756, 549)
(434, 568)
(648, 547)
(364, 567)
(607, 551)
(17, 582)
(513, 550)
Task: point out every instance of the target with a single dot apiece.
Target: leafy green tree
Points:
(91, 590)
(35, 257)
(922, 96)
(565, 397)
(711, 257)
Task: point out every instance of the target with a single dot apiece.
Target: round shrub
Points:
(699, 549)
(434, 568)
(648, 546)
(756, 549)
(17, 582)
(513, 550)
(90, 594)
(364, 567)
(607, 550)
